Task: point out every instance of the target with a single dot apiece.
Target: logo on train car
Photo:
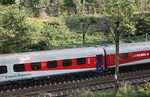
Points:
(141, 55)
(89, 61)
(1, 77)
(16, 76)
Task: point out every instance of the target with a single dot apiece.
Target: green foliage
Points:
(125, 91)
(143, 25)
(122, 11)
(92, 1)
(32, 5)
(70, 6)
(125, 7)
(19, 31)
(127, 29)
(3, 8)
(58, 8)
(34, 35)
(14, 28)
(6, 2)
(134, 38)
(57, 34)
(84, 25)
(75, 22)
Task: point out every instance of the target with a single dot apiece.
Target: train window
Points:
(66, 62)
(81, 61)
(19, 67)
(51, 64)
(3, 69)
(36, 66)
(125, 56)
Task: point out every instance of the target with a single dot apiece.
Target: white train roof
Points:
(128, 47)
(49, 55)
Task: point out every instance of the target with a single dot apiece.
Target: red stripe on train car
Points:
(90, 63)
(133, 56)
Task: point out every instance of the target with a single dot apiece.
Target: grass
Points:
(124, 91)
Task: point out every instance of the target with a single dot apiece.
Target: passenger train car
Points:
(129, 54)
(56, 62)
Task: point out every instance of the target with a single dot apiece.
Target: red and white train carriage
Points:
(129, 54)
(55, 62)
(45, 63)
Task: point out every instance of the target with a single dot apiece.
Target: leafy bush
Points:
(19, 32)
(57, 34)
(14, 28)
(143, 25)
(124, 91)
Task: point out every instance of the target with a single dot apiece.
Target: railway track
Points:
(74, 84)
(95, 84)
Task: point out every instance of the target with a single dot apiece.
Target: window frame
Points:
(52, 64)
(19, 70)
(125, 56)
(66, 62)
(4, 67)
(81, 61)
(34, 65)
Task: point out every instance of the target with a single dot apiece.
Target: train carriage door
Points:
(99, 63)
